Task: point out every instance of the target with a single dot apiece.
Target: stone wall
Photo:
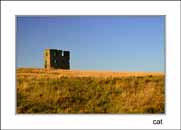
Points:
(56, 59)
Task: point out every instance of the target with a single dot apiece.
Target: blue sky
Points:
(114, 43)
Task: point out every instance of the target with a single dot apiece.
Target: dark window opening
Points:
(60, 53)
(45, 64)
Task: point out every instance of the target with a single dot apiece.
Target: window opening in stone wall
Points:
(45, 64)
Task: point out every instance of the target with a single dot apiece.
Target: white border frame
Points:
(171, 120)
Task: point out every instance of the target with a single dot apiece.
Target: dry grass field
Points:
(43, 91)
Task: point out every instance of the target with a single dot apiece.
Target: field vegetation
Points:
(43, 91)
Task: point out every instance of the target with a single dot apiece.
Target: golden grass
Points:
(54, 73)
(74, 91)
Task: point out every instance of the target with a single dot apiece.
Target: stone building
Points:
(56, 59)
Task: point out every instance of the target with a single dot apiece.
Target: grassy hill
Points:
(74, 91)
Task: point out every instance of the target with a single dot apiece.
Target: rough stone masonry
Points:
(56, 59)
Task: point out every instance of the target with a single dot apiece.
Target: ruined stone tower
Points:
(56, 59)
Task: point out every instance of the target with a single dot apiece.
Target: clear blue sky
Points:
(115, 43)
